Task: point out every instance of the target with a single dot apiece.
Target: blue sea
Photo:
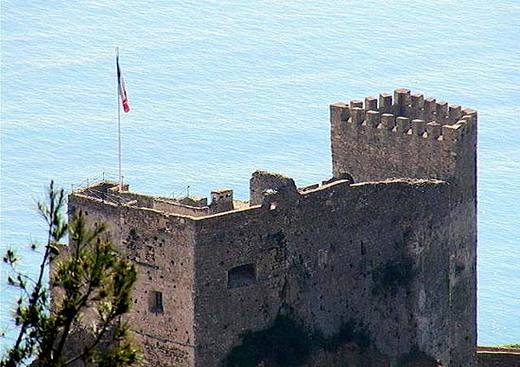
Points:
(221, 88)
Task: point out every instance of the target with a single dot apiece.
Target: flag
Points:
(122, 88)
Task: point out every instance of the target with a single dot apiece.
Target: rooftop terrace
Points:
(221, 200)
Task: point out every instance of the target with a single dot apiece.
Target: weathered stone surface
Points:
(448, 154)
(162, 247)
(395, 252)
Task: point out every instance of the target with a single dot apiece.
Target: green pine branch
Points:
(90, 287)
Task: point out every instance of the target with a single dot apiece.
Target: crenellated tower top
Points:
(404, 136)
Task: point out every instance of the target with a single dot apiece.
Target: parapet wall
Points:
(404, 136)
(191, 206)
(170, 206)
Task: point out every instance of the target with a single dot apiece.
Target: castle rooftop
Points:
(272, 187)
(388, 245)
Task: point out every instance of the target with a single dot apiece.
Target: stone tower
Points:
(417, 137)
(387, 245)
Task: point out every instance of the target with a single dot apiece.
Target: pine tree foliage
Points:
(90, 285)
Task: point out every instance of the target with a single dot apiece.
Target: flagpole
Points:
(119, 129)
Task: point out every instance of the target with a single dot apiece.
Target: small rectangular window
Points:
(241, 276)
(156, 304)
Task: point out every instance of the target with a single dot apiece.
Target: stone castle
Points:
(387, 245)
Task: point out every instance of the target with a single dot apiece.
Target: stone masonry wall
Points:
(161, 246)
(320, 255)
(416, 137)
(409, 137)
(396, 253)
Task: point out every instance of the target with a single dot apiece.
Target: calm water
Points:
(220, 88)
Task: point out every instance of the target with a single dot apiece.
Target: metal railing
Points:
(181, 191)
(106, 195)
(86, 182)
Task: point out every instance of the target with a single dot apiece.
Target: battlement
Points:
(404, 135)
(358, 117)
(407, 114)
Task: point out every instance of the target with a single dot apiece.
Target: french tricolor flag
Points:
(122, 88)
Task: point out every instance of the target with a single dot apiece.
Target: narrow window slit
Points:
(156, 304)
